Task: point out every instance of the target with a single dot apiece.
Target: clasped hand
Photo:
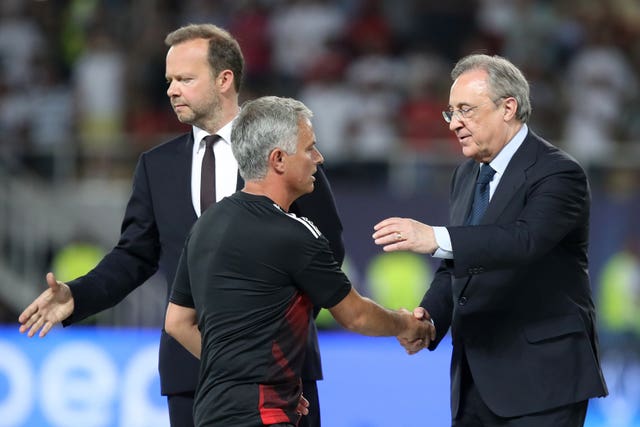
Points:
(420, 332)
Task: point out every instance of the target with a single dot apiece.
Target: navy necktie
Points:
(208, 174)
(481, 196)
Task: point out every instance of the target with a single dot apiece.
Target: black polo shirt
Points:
(253, 274)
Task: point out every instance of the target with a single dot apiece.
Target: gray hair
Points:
(504, 79)
(224, 50)
(264, 124)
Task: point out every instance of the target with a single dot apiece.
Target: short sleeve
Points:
(322, 279)
(181, 288)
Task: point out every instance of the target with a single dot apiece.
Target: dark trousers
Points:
(310, 392)
(181, 407)
(474, 412)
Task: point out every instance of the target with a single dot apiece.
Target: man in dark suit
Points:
(204, 67)
(513, 285)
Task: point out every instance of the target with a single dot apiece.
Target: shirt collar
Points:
(224, 133)
(499, 164)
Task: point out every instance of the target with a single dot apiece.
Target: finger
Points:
(54, 285)
(417, 344)
(45, 330)
(32, 331)
(413, 345)
(30, 321)
(384, 240)
(24, 328)
(392, 228)
(386, 222)
(37, 325)
(413, 350)
(28, 313)
(301, 409)
(420, 313)
(384, 232)
(398, 246)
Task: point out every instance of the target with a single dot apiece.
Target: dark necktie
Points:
(208, 174)
(481, 196)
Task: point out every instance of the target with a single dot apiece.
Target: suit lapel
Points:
(181, 164)
(513, 178)
(462, 196)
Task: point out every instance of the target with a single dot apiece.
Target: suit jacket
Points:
(157, 219)
(517, 296)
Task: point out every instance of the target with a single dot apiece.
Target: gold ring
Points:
(398, 236)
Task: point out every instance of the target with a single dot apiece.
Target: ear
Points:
(510, 108)
(277, 160)
(225, 80)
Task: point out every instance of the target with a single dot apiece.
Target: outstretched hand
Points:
(414, 344)
(52, 306)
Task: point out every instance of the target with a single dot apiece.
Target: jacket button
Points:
(462, 300)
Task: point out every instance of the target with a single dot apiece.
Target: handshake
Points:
(418, 332)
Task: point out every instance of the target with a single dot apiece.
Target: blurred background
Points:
(83, 93)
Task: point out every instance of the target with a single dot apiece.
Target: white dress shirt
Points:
(226, 165)
(499, 164)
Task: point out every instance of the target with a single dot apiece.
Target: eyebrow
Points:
(458, 105)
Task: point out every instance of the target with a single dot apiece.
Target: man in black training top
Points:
(251, 272)
(204, 69)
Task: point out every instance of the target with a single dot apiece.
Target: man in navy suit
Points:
(513, 285)
(204, 67)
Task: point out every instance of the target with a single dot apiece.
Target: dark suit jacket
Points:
(517, 295)
(157, 219)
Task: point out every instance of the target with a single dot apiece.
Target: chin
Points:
(469, 152)
(310, 188)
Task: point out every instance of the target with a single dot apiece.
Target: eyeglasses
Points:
(464, 113)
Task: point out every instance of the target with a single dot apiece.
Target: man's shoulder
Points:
(304, 225)
(286, 225)
(554, 156)
(178, 143)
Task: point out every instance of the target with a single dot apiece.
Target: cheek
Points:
(479, 136)
(203, 93)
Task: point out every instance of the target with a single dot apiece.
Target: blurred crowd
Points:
(83, 93)
(82, 88)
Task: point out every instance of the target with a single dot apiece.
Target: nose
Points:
(318, 158)
(172, 89)
(455, 123)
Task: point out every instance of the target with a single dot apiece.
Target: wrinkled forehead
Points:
(469, 88)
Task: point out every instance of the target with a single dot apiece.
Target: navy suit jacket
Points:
(517, 296)
(158, 217)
